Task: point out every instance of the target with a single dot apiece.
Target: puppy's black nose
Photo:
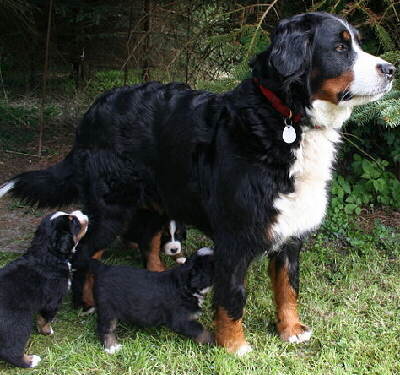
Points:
(173, 250)
(387, 69)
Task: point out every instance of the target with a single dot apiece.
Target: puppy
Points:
(172, 298)
(35, 283)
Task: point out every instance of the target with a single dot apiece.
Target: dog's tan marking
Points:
(331, 87)
(87, 293)
(43, 326)
(229, 332)
(154, 262)
(346, 35)
(288, 322)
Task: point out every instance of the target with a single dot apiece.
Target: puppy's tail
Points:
(51, 187)
(95, 266)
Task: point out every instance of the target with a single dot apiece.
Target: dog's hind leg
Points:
(284, 273)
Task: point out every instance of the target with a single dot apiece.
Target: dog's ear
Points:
(291, 45)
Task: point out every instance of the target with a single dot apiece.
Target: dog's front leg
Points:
(284, 273)
(230, 299)
(192, 329)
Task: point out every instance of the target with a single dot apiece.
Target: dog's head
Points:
(172, 237)
(319, 55)
(200, 267)
(60, 232)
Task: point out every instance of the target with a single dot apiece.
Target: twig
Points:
(259, 25)
(21, 153)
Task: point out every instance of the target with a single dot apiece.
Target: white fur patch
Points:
(304, 209)
(57, 214)
(35, 360)
(200, 299)
(113, 349)
(176, 245)
(4, 189)
(328, 115)
(181, 260)
(205, 251)
(244, 349)
(302, 337)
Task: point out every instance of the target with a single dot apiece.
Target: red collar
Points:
(277, 103)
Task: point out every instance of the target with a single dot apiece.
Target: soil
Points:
(18, 222)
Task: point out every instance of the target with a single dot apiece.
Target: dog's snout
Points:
(173, 250)
(387, 69)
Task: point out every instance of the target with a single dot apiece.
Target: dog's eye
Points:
(341, 47)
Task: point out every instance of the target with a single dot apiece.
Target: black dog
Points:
(249, 167)
(172, 298)
(36, 283)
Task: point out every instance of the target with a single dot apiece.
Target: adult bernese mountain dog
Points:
(36, 282)
(172, 298)
(249, 167)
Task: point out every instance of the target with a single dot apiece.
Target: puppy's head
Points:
(61, 232)
(172, 237)
(201, 270)
(320, 54)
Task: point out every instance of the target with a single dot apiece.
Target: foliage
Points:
(369, 184)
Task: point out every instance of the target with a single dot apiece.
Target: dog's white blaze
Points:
(57, 214)
(304, 209)
(172, 229)
(4, 189)
(35, 360)
(205, 251)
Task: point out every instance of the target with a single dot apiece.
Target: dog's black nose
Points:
(387, 69)
(173, 250)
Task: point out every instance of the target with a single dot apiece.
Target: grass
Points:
(349, 296)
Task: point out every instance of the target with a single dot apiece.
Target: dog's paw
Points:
(243, 349)
(88, 311)
(113, 349)
(34, 360)
(297, 334)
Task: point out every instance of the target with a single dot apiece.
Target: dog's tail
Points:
(95, 266)
(51, 187)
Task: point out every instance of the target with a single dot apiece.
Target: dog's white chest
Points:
(304, 209)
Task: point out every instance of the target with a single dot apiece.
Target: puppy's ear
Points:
(291, 45)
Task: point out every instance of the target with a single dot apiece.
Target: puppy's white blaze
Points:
(172, 245)
(181, 260)
(4, 189)
(304, 209)
(113, 349)
(205, 251)
(57, 214)
(302, 337)
(244, 349)
(172, 229)
(35, 360)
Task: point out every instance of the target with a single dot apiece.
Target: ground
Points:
(350, 297)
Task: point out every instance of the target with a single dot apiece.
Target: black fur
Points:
(34, 284)
(146, 298)
(214, 161)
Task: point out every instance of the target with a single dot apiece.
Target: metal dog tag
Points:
(289, 134)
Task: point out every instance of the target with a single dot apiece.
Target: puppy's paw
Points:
(206, 337)
(33, 360)
(113, 349)
(296, 334)
(88, 311)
